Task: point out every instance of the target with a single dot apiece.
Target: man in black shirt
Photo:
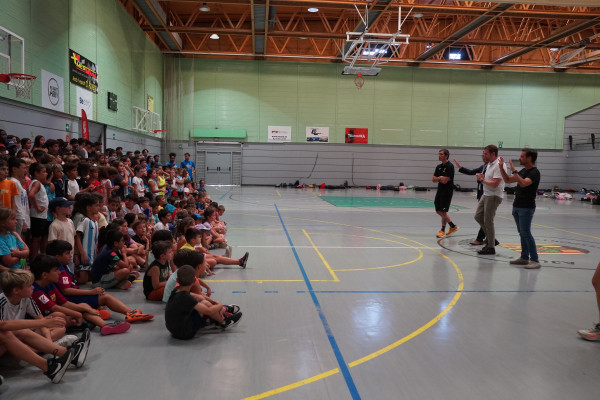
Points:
(528, 180)
(444, 175)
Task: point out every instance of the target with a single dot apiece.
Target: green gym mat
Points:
(389, 202)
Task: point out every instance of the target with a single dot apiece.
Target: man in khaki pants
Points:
(493, 193)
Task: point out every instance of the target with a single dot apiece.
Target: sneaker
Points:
(132, 277)
(104, 314)
(487, 251)
(80, 349)
(519, 261)
(67, 340)
(232, 320)
(592, 334)
(114, 328)
(452, 230)
(232, 308)
(124, 285)
(244, 260)
(57, 366)
(440, 234)
(533, 265)
(228, 251)
(137, 316)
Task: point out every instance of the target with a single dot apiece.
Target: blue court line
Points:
(336, 351)
(442, 291)
(225, 194)
(238, 291)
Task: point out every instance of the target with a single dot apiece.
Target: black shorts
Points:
(442, 201)
(39, 227)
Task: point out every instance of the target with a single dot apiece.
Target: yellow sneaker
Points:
(441, 234)
(452, 230)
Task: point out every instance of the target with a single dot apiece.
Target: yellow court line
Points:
(335, 278)
(278, 194)
(558, 229)
(386, 349)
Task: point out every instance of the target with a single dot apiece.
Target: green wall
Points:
(129, 64)
(401, 106)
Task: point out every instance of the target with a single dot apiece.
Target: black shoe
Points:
(244, 260)
(80, 348)
(57, 366)
(231, 320)
(487, 250)
(496, 242)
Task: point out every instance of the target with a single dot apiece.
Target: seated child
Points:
(158, 272)
(18, 339)
(13, 251)
(186, 314)
(50, 299)
(131, 205)
(188, 257)
(16, 301)
(95, 297)
(164, 219)
(110, 269)
(197, 237)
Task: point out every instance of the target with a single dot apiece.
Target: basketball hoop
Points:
(22, 83)
(160, 133)
(359, 81)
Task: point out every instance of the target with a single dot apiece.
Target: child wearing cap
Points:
(62, 228)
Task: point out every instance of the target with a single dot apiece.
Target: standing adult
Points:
(444, 176)
(189, 165)
(528, 180)
(493, 193)
(172, 162)
(481, 169)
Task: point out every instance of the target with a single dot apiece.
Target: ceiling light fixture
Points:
(418, 15)
(313, 9)
(214, 36)
(205, 8)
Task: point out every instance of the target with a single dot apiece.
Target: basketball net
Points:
(359, 81)
(22, 83)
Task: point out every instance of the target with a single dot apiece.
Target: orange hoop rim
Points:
(26, 77)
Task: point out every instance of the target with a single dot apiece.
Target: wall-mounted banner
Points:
(357, 135)
(150, 103)
(83, 72)
(280, 134)
(317, 134)
(53, 92)
(85, 101)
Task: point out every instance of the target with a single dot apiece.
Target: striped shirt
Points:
(89, 237)
(10, 312)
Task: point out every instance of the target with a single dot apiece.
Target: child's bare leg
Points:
(113, 303)
(94, 319)
(83, 277)
(23, 352)
(226, 260)
(39, 343)
(216, 315)
(596, 284)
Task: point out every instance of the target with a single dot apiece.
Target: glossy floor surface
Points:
(365, 303)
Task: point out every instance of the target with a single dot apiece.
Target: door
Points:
(218, 168)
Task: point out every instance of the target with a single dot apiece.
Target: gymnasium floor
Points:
(349, 303)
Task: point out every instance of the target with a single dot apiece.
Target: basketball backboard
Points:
(12, 52)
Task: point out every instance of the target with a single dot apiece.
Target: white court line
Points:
(336, 247)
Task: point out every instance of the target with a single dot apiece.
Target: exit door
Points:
(218, 168)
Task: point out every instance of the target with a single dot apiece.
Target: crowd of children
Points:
(75, 222)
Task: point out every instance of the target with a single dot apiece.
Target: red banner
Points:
(85, 129)
(357, 135)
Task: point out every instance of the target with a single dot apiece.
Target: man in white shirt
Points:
(493, 193)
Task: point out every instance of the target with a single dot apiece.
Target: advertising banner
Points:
(317, 134)
(53, 91)
(280, 134)
(83, 72)
(85, 101)
(357, 135)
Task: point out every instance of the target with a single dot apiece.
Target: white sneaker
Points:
(532, 265)
(228, 250)
(67, 340)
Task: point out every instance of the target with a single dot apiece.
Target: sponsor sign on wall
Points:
(85, 101)
(83, 72)
(357, 135)
(53, 92)
(280, 134)
(317, 134)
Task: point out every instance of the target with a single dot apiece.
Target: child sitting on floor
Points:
(95, 297)
(186, 314)
(198, 261)
(158, 272)
(110, 269)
